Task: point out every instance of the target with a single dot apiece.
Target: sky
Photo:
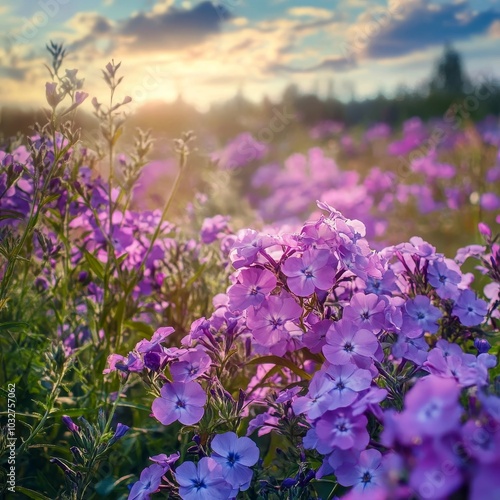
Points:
(207, 51)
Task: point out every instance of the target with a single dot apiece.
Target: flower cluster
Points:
(381, 358)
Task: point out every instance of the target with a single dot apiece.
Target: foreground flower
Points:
(469, 309)
(346, 343)
(309, 272)
(179, 401)
(365, 475)
(235, 455)
(420, 316)
(431, 409)
(252, 287)
(148, 483)
(204, 481)
(340, 429)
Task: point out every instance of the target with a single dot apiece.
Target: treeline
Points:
(448, 90)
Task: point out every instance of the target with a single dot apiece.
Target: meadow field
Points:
(292, 311)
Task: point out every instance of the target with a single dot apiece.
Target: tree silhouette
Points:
(449, 76)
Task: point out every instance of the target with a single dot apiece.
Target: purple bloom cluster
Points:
(391, 347)
(425, 174)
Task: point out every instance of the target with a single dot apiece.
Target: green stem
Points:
(51, 399)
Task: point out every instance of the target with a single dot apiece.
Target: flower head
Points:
(148, 483)
(236, 456)
(180, 401)
(203, 481)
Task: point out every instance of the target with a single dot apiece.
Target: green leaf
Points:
(126, 404)
(72, 412)
(11, 214)
(49, 199)
(95, 265)
(140, 326)
(120, 259)
(31, 493)
(108, 484)
(276, 360)
(196, 276)
(13, 324)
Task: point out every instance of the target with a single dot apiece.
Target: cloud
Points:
(175, 28)
(335, 64)
(310, 12)
(415, 25)
(12, 73)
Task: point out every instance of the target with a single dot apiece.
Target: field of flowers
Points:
(315, 318)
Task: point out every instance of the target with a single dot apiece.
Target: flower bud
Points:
(289, 482)
(484, 229)
(70, 424)
(482, 345)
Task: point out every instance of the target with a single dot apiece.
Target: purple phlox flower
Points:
(166, 461)
(370, 401)
(203, 481)
(445, 277)
(469, 251)
(384, 286)
(180, 401)
(491, 405)
(378, 181)
(310, 272)
(481, 440)
(420, 316)
(490, 201)
(240, 151)
(236, 456)
(430, 167)
(190, 366)
(251, 289)
(377, 493)
(366, 475)
(348, 381)
(158, 337)
(485, 482)
(325, 129)
(315, 337)
(318, 399)
(366, 311)
(492, 292)
(270, 322)
(310, 440)
(341, 429)
(348, 344)
(411, 349)
(290, 341)
(431, 409)
(451, 366)
(148, 483)
(469, 309)
(287, 395)
(247, 246)
(213, 228)
(479, 366)
(132, 363)
(422, 248)
(264, 422)
(378, 131)
(436, 473)
(199, 328)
